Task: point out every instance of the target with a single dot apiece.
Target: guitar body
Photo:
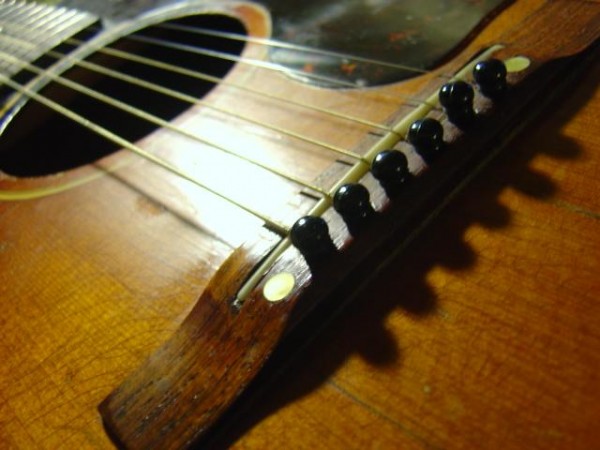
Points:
(483, 333)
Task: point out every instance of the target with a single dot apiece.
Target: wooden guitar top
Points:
(483, 333)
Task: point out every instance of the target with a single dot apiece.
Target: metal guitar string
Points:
(360, 167)
(204, 76)
(272, 43)
(276, 67)
(188, 99)
(154, 119)
(271, 66)
(30, 10)
(119, 140)
(263, 65)
(42, 15)
(184, 97)
(223, 82)
(353, 175)
(288, 46)
(280, 229)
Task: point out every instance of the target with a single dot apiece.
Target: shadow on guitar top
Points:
(363, 330)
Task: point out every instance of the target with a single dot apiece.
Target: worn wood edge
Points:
(149, 409)
(465, 154)
(309, 321)
(116, 410)
(308, 324)
(105, 407)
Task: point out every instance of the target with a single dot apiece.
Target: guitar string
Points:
(232, 58)
(156, 120)
(138, 112)
(223, 82)
(192, 100)
(289, 46)
(277, 67)
(272, 224)
(119, 140)
(270, 66)
(24, 7)
(31, 10)
(112, 137)
(153, 119)
(42, 14)
(189, 99)
(282, 230)
(269, 42)
(216, 80)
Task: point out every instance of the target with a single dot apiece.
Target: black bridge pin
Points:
(310, 235)
(427, 137)
(390, 168)
(457, 100)
(352, 201)
(490, 76)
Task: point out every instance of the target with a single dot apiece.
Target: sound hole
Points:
(40, 142)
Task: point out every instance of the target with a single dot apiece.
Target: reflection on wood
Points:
(484, 334)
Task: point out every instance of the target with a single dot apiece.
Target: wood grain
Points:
(484, 334)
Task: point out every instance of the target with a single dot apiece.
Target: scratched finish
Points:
(177, 393)
(416, 33)
(484, 336)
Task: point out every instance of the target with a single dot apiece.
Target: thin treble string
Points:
(26, 8)
(52, 20)
(289, 46)
(220, 81)
(44, 14)
(157, 121)
(265, 65)
(216, 80)
(194, 101)
(280, 229)
(237, 59)
(272, 66)
(27, 12)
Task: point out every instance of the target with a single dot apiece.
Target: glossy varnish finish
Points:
(493, 350)
(484, 334)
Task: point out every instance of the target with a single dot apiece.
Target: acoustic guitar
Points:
(240, 224)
